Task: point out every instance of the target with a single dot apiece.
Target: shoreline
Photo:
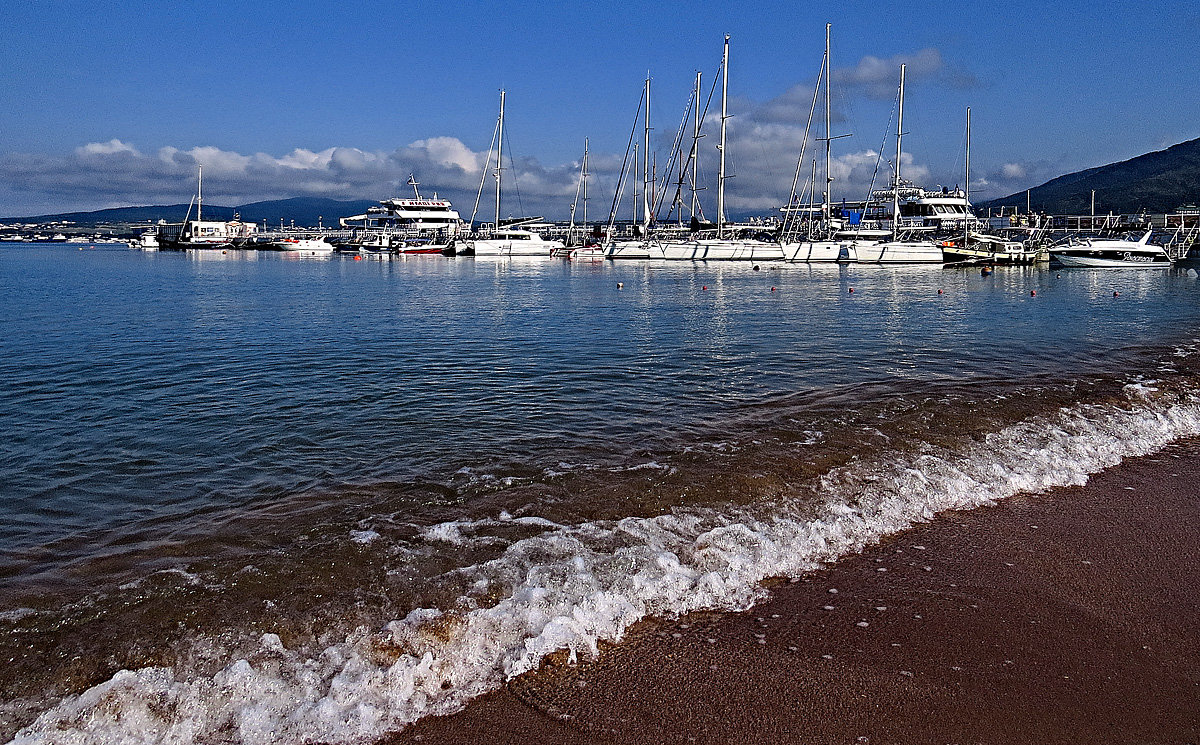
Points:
(1063, 617)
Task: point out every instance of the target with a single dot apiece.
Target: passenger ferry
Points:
(427, 222)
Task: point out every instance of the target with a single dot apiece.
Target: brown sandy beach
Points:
(1066, 617)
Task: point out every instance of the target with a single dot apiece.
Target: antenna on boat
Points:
(414, 184)
(199, 190)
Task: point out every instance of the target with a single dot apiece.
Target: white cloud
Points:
(102, 174)
(1012, 170)
(112, 147)
(448, 151)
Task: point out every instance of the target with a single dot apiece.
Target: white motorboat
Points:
(147, 241)
(306, 246)
(1124, 252)
(515, 242)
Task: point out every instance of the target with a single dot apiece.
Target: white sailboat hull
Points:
(720, 250)
(819, 252)
(897, 252)
(630, 250)
(517, 248)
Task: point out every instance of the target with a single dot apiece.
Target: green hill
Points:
(1155, 182)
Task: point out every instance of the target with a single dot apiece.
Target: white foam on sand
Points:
(570, 587)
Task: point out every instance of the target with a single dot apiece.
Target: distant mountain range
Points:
(1160, 181)
(305, 211)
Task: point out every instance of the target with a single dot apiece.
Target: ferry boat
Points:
(398, 224)
(1123, 252)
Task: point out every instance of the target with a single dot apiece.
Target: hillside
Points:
(303, 210)
(1155, 182)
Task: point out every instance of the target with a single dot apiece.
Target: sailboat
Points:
(586, 247)
(510, 241)
(640, 247)
(977, 246)
(200, 233)
(723, 247)
(897, 250)
(815, 248)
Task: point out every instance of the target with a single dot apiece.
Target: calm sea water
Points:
(313, 500)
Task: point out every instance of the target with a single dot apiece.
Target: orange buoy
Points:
(358, 258)
(939, 291)
(705, 287)
(851, 291)
(1116, 294)
(1033, 293)
(772, 289)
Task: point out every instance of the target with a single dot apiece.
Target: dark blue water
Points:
(204, 412)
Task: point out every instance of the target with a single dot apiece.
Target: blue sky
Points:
(113, 105)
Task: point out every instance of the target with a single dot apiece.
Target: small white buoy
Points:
(620, 285)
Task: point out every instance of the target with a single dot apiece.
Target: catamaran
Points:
(511, 241)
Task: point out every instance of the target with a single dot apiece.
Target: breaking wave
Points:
(570, 587)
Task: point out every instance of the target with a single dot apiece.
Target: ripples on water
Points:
(204, 448)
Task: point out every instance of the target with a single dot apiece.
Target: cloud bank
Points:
(765, 140)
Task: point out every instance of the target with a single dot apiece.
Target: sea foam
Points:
(573, 586)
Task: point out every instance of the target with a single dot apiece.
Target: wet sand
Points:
(1066, 617)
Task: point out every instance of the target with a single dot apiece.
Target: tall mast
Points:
(499, 157)
(967, 182)
(585, 177)
(696, 147)
(199, 190)
(646, 166)
(827, 199)
(896, 176)
(721, 147)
